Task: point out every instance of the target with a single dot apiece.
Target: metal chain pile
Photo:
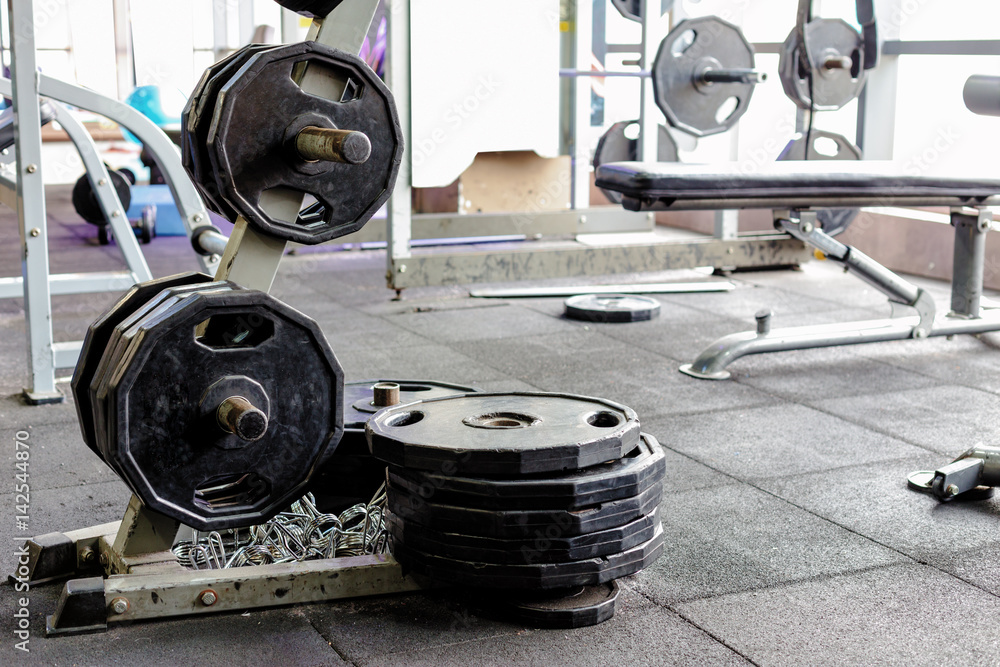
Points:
(299, 534)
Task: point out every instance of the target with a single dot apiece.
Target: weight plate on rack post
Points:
(612, 308)
(547, 545)
(177, 448)
(641, 469)
(503, 434)
(577, 607)
(836, 70)
(588, 572)
(269, 164)
(825, 146)
(518, 524)
(98, 335)
(615, 145)
(692, 48)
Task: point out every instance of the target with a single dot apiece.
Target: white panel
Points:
(162, 44)
(483, 80)
(92, 30)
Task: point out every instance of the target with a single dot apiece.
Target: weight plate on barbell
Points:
(828, 81)
(196, 120)
(632, 9)
(546, 545)
(587, 572)
(166, 438)
(612, 308)
(642, 468)
(616, 146)
(576, 607)
(503, 434)
(685, 54)
(99, 334)
(517, 524)
(253, 140)
(825, 146)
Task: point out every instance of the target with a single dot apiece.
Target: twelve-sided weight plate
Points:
(519, 524)
(576, 607)
(639, 470)
(163, 405)
(616, 146)
(586, 572)
(809, 81)
(503, 434)
(98, 335)
(249, 166)
(548, 545)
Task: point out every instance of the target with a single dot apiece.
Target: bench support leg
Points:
(965, 318)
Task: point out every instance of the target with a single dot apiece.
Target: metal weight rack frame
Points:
(24, 192)
(407, 268)
(127, 569)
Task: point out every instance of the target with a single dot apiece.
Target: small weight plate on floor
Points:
(612, 308)
(577, 607)
(503, 434)
(691, 48)
(96, 341)
(352, 98)
(616, 146)
(588, 572)
(833, 221)
(642, 468)
(518, 524)
(187, 469)
(547, 545)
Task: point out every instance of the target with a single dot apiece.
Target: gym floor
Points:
(791, 537)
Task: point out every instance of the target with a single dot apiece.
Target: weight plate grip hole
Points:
(603, 420)
(502, 420)
(405, 419)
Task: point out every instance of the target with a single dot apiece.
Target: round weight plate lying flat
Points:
(577, 607)
(98, 335)
(825, 146)
(548, 545)
(588, 572)
(519, 524)
(352, 98)
(693, 46)
(174, 460)
(503, 434)
(641, 469)
(831, 88)
(612, 308)
(615, 145)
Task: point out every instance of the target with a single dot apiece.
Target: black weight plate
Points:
(85, 201)
(690, 48)
(358, 397)
(632, 9)
(616, 146)
(161, 439)
(612, 308)
(520, 524)
(503, 434)
(576, 607)
(96, 341)
(196, 120)
(642, 468)
(832, 220)
(588, 572)
(356, 100)
(314, 9)
(548, 545)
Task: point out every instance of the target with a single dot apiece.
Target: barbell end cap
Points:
(238, 416)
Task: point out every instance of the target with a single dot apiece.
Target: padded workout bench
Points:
(796, 191)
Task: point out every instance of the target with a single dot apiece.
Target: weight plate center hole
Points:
(502, 420)
(405, 419)
(604, 419)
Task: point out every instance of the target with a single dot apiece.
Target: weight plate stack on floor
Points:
(350, 474)
(543, 494)
(212, 402)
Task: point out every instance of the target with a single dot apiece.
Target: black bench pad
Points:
(649, 186)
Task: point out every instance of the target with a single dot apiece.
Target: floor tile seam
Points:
(520, 632)
(34, 488)
(690, 622)
(722, 409)
(951, 383)
(794, 475)
(778, 290)
(329, 641)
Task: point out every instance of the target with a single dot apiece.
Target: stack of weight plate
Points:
(526, 493)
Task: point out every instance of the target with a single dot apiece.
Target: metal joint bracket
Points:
(971, 476)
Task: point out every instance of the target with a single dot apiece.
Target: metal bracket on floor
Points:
(966, 316)
(972, 476)
(125, 571)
